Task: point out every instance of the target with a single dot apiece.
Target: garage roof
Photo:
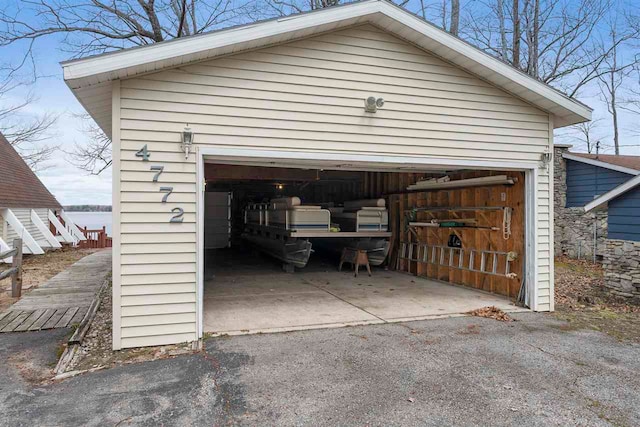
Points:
(90, 78)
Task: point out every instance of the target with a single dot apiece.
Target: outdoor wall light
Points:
(545, 159)
(371, 104)
(187, 140)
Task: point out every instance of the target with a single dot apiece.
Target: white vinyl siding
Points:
(307, 95)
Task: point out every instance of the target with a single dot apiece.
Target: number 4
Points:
(144, 153)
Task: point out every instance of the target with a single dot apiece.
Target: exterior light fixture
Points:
(280, 186)
(371, 104)
(545, 159)
(187, 140)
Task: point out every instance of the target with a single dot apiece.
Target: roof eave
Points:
(612, 194)
(600, 163)
(100, 69)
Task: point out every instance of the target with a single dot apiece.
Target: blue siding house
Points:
(585, 182)
(607, 182)
(624, 216)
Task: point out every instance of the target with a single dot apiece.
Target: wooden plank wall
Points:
(383, 183)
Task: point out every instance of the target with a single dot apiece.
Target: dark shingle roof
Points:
(631, 162)
(19, 186)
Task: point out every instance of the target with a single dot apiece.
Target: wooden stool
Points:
(357, 257)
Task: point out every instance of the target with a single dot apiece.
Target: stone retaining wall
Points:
(621, 262)
(573, 229)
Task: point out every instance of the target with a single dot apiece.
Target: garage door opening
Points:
(439, 242)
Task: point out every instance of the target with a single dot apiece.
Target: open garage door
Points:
(439, 239)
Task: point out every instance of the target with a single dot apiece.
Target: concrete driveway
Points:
(457, 371)
(250, 302)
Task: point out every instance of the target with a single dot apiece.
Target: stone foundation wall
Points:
(573, 229)
(621, 262)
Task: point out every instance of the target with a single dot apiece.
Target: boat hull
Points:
(295, 252)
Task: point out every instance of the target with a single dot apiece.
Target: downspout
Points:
(595, 236)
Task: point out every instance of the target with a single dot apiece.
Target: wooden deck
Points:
(63, 300)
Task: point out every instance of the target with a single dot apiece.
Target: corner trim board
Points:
(116, 238)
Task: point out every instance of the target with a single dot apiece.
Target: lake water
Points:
(92, 220)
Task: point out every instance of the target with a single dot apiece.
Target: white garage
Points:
(271, 145)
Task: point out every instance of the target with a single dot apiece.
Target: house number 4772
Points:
(178, 213)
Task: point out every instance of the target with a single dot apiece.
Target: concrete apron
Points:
(266, 302)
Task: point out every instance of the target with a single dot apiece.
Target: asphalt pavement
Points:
(456, 371)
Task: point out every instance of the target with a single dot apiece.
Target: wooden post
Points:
(16, 278)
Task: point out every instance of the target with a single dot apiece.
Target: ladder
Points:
(474, 260)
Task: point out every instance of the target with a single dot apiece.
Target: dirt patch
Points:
(37, 269)
(29, 367)
(96, 349)
(585, 303)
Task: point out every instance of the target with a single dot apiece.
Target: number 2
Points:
(179, 212)
(159, 170)
(144, 153)
(167, 190)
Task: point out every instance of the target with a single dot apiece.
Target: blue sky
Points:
(69, 184)
(74, 186)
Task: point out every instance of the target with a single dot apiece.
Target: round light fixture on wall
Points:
(371, 104)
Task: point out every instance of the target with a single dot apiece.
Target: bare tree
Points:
(588, 134)
(96, 26)
(95, 156)
(92, 27)
(25, 132)
(454, 25)
(631, 99)
(554, 41)
(610, 82)
(515, 57)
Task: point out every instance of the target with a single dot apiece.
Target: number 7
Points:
(159, 170)
(167, 190)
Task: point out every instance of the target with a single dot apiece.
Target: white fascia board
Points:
(27, 239)
(130, 62)
(600, 163)
(171, 50)
(485, 60)
(40, 225)
(606, 197)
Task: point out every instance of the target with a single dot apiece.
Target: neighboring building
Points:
(27, 209)
(621, 257)
(579, 179)
(289, 94)
(597, 214)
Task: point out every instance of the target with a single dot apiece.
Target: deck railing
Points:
(96, 239)
(15, 272)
